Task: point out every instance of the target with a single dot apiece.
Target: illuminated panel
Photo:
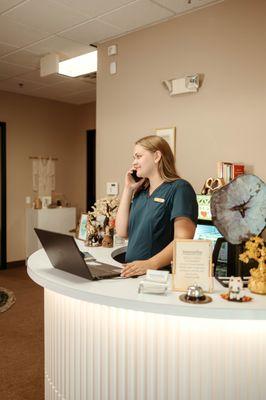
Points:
(96, 352)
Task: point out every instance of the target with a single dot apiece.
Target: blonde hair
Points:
(166, 165)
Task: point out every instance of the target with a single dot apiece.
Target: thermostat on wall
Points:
(112, 188)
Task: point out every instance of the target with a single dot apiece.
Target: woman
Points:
(164, 207)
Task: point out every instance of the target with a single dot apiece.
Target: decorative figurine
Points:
(212, 184)
(93, 238)
(235, 291)
(37, 204)
(235, 288)
(107, 238)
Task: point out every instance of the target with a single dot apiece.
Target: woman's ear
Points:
(157, 156)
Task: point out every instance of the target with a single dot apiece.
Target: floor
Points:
(21, 339)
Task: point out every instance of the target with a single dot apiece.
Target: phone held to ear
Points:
(134, 176)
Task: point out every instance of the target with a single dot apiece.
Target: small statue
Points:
(37, 204)
(235, 288)
(108, 238)
(212, 184)
(94, 239)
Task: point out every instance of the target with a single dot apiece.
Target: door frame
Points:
(3, 263)
(91, 169)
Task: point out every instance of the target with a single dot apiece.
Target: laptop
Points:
(64, 254)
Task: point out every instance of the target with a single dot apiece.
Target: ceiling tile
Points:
(11, 70)
(18, 85)
(16, 34)
(23, 57)
(91, 32)
(81, 98)
(6, 48)
(137, 14)
(95, 8)
(8, 4)
(49, 80)
(75, 84)
(62, 89)
(183, 5)
(65, 48)
(47, 91)
(47, 16)
(3, 77)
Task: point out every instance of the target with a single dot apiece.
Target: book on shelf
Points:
(237, 169)
(228, 171)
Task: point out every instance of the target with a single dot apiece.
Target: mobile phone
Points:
(134, 176)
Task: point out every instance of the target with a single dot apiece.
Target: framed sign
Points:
(192, 264)
(204, 203)
(82, 228)
(167, 134)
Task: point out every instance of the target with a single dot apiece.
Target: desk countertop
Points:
(123, 293)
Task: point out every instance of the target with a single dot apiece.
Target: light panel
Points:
(80, 65)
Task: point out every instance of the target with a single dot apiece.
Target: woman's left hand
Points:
(138, 267)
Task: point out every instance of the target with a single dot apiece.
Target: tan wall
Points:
(42, 127)
(225, 120)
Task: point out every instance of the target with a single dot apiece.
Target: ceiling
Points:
(30, 29)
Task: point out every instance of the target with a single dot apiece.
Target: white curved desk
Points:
(104, 341)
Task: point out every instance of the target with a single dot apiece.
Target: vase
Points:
(257, 281)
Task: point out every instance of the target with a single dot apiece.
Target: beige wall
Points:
(42, 127)
(225, 120)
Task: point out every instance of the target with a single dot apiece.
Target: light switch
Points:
(113, 68)
(112, 188)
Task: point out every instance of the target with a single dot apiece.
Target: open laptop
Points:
(64, 254)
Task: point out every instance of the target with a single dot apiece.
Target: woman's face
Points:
(144, 162)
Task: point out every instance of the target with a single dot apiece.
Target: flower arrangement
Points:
(256, 250)
(101, 221)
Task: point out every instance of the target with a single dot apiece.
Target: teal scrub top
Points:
(151, 219)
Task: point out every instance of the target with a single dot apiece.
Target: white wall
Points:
(225, 120)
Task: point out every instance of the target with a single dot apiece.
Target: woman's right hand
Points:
(130, 182)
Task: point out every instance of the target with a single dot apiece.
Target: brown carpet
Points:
(21, 339)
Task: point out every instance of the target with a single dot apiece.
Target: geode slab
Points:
(239, 208)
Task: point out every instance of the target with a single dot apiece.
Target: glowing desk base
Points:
(96, 352)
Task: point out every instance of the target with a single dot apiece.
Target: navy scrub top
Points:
(151, 219)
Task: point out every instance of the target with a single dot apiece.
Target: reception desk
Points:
(104, 341)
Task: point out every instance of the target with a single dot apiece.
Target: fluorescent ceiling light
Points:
(80, 65)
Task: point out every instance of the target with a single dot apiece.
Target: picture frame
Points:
(168, 134)
(82, 231)
(192, 263)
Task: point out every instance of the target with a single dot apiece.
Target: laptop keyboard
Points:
(101, 271)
